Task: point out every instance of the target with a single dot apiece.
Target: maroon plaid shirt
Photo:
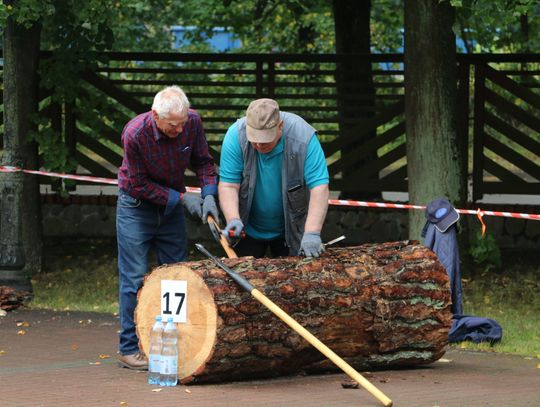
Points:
(153, 165)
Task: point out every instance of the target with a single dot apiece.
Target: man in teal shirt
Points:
(273, 183)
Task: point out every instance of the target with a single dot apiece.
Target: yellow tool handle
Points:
(325, 350)
(223, 240)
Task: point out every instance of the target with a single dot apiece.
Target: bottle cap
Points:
(170, 319)
(158, 318)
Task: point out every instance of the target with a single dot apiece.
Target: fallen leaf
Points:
(74, 347)
(104, 356)
(538, 366)
(384, 380)
(26, 324)
(187, 391)
(123, 403)
(94, 363)
(156, 390)
(443, 360)
(2, 352)
(21, 332)
(3, 312)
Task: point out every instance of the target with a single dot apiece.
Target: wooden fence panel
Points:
(505, 119)
(507, 133)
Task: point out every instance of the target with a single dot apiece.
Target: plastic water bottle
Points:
(154, 355)
(169, 355)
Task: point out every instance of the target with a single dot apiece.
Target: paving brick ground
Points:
(57, 363)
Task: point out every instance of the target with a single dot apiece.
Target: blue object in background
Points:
(221, 39)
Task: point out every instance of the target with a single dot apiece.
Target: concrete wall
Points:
(359, 225)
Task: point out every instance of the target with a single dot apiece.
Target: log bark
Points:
(11, 298)
(375, 305)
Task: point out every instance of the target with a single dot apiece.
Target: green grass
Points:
(82, 275)
(512, 300)
(79, 276)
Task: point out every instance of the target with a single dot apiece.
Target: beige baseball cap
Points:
(262, 117)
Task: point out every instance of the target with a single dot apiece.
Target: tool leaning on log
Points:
(242, 282)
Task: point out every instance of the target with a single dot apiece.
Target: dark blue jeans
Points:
(140, 226)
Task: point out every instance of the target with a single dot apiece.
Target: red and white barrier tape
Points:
(477, 212)
(339, 202)
(97, 180)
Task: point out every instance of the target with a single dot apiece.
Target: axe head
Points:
(215, 231)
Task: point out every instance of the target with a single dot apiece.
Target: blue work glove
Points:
(209, 207)
(311, 245)
(194, 204)
(233, 230)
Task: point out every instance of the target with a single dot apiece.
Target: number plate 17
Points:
(174, 300)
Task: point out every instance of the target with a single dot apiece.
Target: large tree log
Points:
(375, 305)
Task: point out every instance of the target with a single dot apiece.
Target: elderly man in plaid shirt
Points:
(158, 147)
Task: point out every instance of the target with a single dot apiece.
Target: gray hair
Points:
(171, 100)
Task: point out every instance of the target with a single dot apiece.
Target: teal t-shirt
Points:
(266, 220)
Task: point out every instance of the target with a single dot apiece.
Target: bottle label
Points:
(154, 363)
(169, 365)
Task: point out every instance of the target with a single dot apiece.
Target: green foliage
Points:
(52, 147)
(265, 26)
(75, 33)
(485, 251)
(26, 12)
(386, 25)
(500, 25)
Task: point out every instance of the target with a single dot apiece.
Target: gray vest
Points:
(297, 134)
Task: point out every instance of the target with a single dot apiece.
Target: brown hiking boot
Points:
(137, 361)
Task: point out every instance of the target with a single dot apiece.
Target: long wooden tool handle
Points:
(303, 332)
(222, 239)
(325, 350)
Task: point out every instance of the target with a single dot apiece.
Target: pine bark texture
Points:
(375, 305)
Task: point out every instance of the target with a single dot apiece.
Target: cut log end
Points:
(197, 336)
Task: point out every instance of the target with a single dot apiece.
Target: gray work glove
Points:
(209, 208)
(233, 230)
(194, 204)
(311, 245)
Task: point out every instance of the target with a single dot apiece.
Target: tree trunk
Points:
(375, 305)
(356, 94)
(20, 217)
(434, 161)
